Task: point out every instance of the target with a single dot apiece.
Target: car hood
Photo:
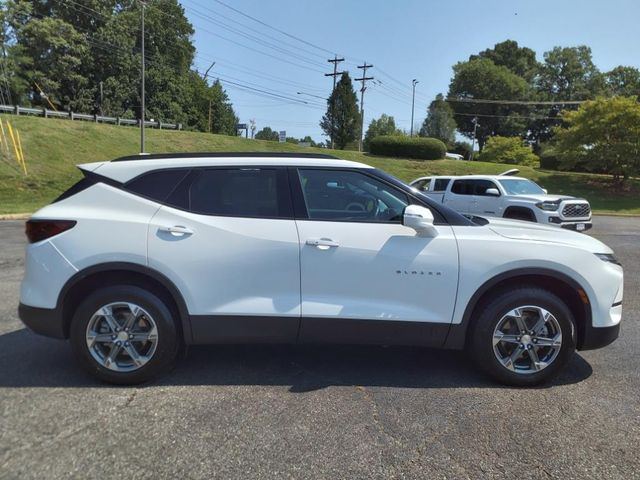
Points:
(521, 230)
(544, 197)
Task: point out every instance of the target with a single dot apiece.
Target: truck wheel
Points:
(124, 335)
(523, 336)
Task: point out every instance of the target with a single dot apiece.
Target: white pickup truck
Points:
(506, 196)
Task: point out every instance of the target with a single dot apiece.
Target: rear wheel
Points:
(124, 335)
(523, 336)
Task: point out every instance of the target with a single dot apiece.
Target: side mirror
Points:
(492, 192)
(420, 219)
(545, 190)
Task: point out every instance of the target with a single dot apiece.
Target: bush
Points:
(548, 158)
(408, 147)
(508, 150)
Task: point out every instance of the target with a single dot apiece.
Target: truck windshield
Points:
(518, 186)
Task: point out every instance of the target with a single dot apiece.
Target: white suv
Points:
(148, 254)
(506, 196)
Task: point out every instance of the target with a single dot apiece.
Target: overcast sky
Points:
(403, 39)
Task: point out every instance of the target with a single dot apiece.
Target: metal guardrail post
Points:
(17, 110)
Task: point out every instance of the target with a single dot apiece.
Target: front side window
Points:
(480, 187)
(350, 196)
(238, 192)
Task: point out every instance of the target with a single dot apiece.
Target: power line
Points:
(515, 102)
(531, 117)
(273, 28)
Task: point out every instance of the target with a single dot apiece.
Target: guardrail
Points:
(46, 113)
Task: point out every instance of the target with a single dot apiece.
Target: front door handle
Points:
(322, 243)
(176, 230)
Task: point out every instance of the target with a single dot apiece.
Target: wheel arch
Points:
(565, 287)
(118, 273)
(518, 209)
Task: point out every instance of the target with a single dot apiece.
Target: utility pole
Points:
(473, 142)
(363, 79)
(413, 101)
(101, 98)
(209, 124)
(142, 113)
(335, 60)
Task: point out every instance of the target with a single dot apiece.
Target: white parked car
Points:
(506, 196)
(453, 156)
(148, 254)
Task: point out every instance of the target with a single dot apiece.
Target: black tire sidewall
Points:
(168, 342)
(481, 342)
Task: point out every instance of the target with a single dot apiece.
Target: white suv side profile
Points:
(147, 254)
(506, 196)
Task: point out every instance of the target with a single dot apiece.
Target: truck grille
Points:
(578, 210)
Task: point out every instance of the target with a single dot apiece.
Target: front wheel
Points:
(124, 335)
(523, 336)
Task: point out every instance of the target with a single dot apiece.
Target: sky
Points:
(263, 64)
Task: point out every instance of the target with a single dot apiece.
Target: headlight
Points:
(608, 257)
(548, 206)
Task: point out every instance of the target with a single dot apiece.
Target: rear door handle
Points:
(322, 243)
(176, 230)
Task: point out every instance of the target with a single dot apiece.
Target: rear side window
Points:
(440, 184)
(240, 192)
(76, 188)
(157, 185)
(462, 187)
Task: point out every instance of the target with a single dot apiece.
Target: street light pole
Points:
(413, 101)
(142, 112)
(473, 142)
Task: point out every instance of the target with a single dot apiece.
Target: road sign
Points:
(241, 126)
(282, 136)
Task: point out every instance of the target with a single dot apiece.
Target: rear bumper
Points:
(43, 321)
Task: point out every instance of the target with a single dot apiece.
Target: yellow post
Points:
(24, 165)
(13, 139)
(4, 138)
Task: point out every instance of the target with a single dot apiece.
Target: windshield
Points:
(518, 186)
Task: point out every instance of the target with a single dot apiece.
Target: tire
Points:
(113, 358)
(509, 361)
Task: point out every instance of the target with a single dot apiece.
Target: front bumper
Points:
(43, 321)
(597, 337)
(574, 226)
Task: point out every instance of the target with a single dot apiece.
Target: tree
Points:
(623, 81)
(508, 150)
(519, 60)
(601, 136)
(482, 79)
(567, 73)
(341, 122)
(439, 123)
(267, 134)
(385, 125)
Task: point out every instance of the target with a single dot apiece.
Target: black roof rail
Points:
(158, 156)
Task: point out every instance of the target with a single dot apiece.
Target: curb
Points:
(15, 216)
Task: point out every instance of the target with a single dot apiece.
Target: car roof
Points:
(126, 168)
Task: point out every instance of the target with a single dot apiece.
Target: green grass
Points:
(53, 147)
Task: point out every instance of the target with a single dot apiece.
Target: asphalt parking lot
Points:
(321, 412)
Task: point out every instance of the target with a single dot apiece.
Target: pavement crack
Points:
(376, 415)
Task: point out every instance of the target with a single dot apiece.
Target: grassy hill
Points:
(53, 147)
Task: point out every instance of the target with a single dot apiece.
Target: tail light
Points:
(37, 230)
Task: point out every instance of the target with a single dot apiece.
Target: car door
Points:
(482, 203)
(365, 278)
(228, 241)
(460, 196)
